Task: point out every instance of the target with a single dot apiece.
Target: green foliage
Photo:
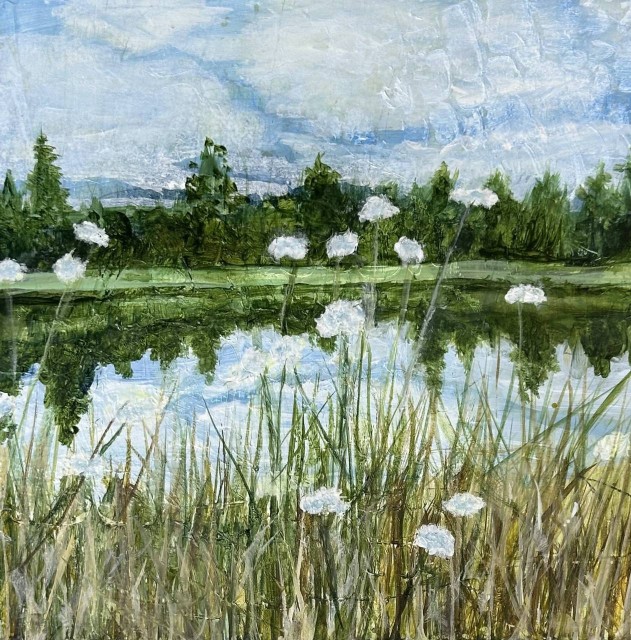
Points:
(503, 221)
(601, 217)
(548, 225)
(322, 207)
(48, 209)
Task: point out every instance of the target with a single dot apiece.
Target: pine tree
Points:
(13, 233)
(48, 208)
(210, 195)
(602, 213)
(48, 200)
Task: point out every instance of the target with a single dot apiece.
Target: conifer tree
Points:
(48, 208)
(48, 199)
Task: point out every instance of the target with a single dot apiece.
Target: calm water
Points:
(198, 357)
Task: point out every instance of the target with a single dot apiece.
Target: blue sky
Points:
(128, 89)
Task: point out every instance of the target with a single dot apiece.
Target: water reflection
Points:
(214, 346)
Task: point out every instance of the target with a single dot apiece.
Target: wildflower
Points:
(288, 247)
(84, 464)
(612, 446)
(342, 317)
(409, 251)
(475, 197)
(11, 271)
(437, 541)
(377, 208)
(526, 294)
(342, 244)
(69, 269)
(464, 504)
(91, 233)
(323, 502)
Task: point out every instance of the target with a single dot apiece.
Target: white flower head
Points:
(69, 269)
(83, 464)
(91, 233)
(437, 541)
(7, 405)
(323, 502)
(613, 446)
(475, 197)
(377, 208)
(342, 317)
(526, 294)
(292, 247)
(11, 271)
(409, 251)
(342, 244)
(464, 504)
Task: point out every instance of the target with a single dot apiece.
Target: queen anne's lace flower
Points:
(11, 271)
(69, 269)
(377, 208)
(612, 446)
(342, 244)
(323, 502)
(342, 317)
(409, 251)
(288, 247)
(525, 294)
(464, 504)
(437, 541)
(475, 197)
(91, 233)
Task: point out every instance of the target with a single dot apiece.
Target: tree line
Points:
(211, 223)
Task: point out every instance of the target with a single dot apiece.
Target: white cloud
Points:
(395, 65)
(126, 118)
(139, 26)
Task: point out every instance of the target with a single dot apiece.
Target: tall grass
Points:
(190, 541)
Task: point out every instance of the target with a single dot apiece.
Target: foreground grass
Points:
(210, 542)
(510, 272)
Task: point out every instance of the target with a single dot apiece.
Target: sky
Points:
(129, 89)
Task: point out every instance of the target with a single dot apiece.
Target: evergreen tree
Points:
(10, 216)
(48, 200)
(442, 214)
(323, 208)
(210, 195)
(48, 207)
(601, 214)
(548, 225)
(502, 220)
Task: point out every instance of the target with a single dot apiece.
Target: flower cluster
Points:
(91, 233)
(409, 251)
(292, 247)
(437, 541)
(377, 208)
(11, 271)
(342, 244)
(613, 446)
(464, 504)
(525, 294)
(324, 501)
(475, 197)
(342, 317)
(69, 269)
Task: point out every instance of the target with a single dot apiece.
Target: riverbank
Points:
(509, 272)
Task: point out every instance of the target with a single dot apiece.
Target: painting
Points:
(315, 319)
